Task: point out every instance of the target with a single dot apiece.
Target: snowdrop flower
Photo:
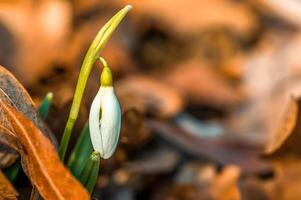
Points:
(105, 116)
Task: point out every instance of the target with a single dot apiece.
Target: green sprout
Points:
(45, 105)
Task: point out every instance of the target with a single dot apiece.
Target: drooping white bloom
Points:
(105, 120)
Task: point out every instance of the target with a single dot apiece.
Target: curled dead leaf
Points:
(40, 160)
(13, 93)
(149, 95)
(7, 191)
(200, 84)
(285, 133)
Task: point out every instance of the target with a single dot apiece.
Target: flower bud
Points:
(105, 117)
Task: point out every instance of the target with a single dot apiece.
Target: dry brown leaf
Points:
(271, 77)
(283, 152)
(40, 160)
(287, 179)
(149, 95)
(223, 151)
(287, 137)
(7, 191)
(183, 16)
(8, 147)
(36, 47)
(81, 6)
(288, 10)
(225, 185)
(134, 132)
(13, 93)
(286, 134)
(198, 181)
(253, 188)
(7, 156)
(162, 160)
(200, 84)
(284, 184)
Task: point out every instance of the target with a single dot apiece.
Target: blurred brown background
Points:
(206, 88)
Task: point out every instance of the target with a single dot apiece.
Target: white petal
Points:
(94, 123)
(111, 121)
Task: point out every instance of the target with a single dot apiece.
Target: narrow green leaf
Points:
(89, 174)
(91, 182)
(45, 105)
(81, 152)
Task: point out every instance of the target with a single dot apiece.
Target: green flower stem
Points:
(89, 174)
(103, 61)
(81, 152)
(97, 45)
(45, 105)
